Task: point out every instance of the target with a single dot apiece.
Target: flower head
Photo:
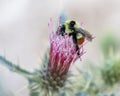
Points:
(61, 55)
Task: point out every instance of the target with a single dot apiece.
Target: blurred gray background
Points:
(24, 32)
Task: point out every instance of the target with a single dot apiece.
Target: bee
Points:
(72, 28)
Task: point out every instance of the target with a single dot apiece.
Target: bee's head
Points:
(69, 26)
(72, 23)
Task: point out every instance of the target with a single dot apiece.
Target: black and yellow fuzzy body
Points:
(72, 28)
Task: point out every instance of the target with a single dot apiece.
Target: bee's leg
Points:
(77, 49)
(71, 34)
(76, 45)
(62, 30)
(62, 33)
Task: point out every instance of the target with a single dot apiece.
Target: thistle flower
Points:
(61, 55)
(53, 75)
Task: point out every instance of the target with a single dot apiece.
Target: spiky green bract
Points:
(111, 70)
(15, 68)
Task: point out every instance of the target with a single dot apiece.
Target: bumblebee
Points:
(72, 28)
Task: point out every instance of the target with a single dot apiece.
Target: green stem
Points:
(15, 68)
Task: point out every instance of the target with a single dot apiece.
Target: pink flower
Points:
(62, 54)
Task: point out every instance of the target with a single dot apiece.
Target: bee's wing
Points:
(85, 33)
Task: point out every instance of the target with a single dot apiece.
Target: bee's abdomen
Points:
(80, 41)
